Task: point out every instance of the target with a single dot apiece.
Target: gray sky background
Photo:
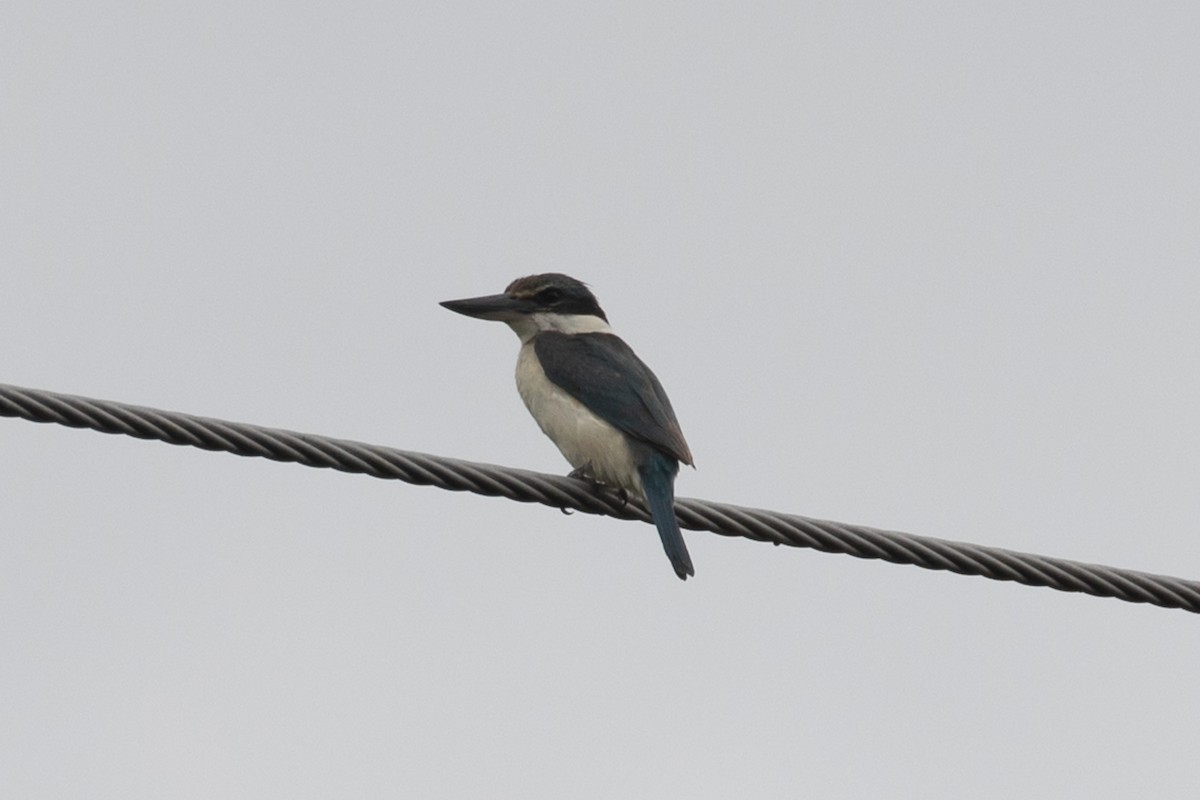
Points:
(932, 267)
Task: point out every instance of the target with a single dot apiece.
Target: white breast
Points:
(584, 439)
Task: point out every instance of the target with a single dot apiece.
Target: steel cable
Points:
(567, 493)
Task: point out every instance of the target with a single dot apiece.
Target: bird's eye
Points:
(548, 296)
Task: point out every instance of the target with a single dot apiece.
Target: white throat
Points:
(529, 326)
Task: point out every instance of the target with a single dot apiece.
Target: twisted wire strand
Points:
(567, 493)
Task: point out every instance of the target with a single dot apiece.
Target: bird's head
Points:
(547, 302)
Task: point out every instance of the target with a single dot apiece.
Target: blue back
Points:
(602, 372)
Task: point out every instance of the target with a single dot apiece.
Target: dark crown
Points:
(553, 291)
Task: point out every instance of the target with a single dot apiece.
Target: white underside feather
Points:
(585, 440)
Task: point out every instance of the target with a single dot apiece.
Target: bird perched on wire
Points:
(592, 395)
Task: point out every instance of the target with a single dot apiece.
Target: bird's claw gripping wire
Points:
(598, 488)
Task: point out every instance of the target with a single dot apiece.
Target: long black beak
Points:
(495, 306)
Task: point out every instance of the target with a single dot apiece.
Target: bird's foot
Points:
(598, 487)
(584, 474)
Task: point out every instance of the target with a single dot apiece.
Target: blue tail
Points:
(658, 484)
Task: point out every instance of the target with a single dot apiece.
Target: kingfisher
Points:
(596, 400)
